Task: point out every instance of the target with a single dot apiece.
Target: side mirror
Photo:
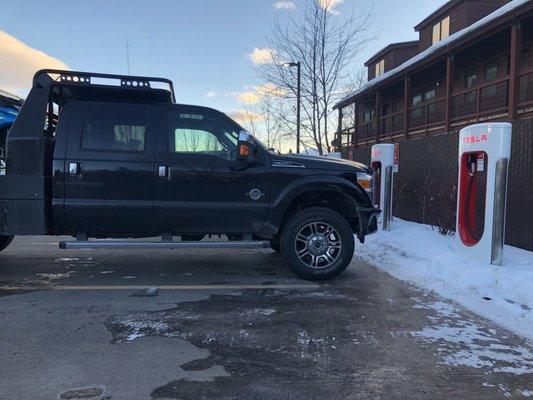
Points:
(245, 147)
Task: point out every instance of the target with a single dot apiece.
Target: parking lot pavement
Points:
(230, 324)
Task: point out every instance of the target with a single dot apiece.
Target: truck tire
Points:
(317, 244)
(5, 241)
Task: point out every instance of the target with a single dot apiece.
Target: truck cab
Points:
(118, 158)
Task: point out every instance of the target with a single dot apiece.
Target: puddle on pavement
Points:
(321, 343)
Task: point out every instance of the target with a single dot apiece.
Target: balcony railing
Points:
(392, 124)
(428, 115)
(489, 98)
(486, 101)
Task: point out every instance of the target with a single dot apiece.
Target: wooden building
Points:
(473, 62)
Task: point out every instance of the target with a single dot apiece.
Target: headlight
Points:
(365, 180)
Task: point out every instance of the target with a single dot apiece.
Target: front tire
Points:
(5, 241)
(317, 244)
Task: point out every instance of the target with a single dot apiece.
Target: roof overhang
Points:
(390, 47)
(492, 23)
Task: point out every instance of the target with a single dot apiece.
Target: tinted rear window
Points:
(115, 128)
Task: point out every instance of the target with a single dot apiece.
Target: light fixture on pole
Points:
(297, 65)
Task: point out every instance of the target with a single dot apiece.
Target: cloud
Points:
(262, 56)
(244, 116)
(330, 5)
(211, 94)
(20, 62)
(284, 5)
(254, 94)
(248, 97)
(269, 89)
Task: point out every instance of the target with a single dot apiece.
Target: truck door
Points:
(109, 170)
(200, 188)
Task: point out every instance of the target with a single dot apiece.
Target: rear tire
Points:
(317, 244)
(5, 241)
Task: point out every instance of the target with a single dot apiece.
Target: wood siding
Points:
(478, 9)
(458, 21)
(393, 58)
(462, 15)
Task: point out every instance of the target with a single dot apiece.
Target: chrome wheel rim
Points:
(318, 245)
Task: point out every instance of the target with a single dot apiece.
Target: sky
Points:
(207, 47)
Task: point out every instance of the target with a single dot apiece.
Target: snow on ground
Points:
(418, 254)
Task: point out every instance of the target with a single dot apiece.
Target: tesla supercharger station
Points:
(382, 163)
(484, 153)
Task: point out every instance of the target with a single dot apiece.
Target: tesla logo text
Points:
(475, 139)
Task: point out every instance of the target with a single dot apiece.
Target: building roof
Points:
(390, 47)
(441, 47)
(442, 9)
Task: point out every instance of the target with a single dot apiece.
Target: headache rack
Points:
(80, 79)
(64, 86)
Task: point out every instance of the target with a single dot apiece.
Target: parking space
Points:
(236, 324)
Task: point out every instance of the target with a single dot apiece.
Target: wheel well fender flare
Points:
(346, 190)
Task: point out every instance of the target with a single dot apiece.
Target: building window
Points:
(417, 99)
(471, 78)
(470, 82)
(380, 67)
(391, 108)
(491, 71)
(429, 95)
(368, 116)
(441, 30)
(417, 113)
(348, 117)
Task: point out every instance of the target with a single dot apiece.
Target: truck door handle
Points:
(75, 168)
(164, 172)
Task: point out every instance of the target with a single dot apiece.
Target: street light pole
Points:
(298, 109)
(298, 99)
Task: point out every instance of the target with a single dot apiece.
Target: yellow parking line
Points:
(163, 287)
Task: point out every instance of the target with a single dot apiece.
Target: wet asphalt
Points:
(236, 324)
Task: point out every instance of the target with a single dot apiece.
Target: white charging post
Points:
(382, 163)
(483, 149)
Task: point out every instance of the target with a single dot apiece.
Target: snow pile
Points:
(418, 254)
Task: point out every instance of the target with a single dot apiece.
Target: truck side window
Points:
(203, 135)
(114, 128)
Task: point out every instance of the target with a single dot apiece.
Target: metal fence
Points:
(425, 187)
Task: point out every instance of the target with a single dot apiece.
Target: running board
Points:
(123, 244)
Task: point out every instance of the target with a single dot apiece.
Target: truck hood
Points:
(319, 162)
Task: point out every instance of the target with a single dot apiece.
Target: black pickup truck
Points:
(100, 156)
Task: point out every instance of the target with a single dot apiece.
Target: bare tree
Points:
(326, 44)
(268, 120)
